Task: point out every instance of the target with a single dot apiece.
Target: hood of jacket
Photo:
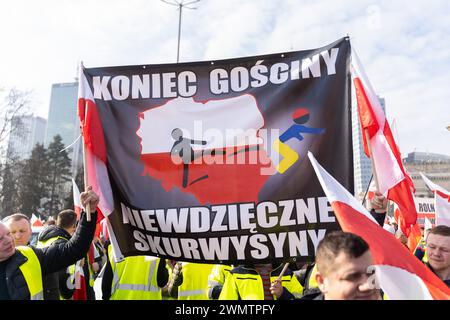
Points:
(53, 231)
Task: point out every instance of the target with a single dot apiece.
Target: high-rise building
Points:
(436, 167)
(63, 120)
(362, 164)
(26, 131)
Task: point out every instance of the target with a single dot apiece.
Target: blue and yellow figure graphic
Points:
(300, 117)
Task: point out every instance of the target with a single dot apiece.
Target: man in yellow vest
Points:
(55, 284)
(20, 227)
(134, 278)
(260, 282)
(190, 281)
(216, 280)
(22, 268)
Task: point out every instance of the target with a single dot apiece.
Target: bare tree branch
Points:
(14, 104)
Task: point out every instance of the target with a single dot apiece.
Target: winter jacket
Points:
(51, 259)
(245, 283)
(55, 284)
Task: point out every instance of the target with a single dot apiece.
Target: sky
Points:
(404, 46)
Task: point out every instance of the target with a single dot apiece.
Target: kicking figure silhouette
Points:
(182, 148)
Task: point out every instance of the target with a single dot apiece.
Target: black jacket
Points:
(52, 258)
(56, 283)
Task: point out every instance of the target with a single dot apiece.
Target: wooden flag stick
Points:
(88, 205)
(286, 265)
(374, 169)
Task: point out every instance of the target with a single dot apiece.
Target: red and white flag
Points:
(95, 149)
(77, 207)
(400, 274)
(394, 181)
(442, 202)
(79, 292)
(35, 221)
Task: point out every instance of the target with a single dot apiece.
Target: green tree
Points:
(79, 180)
(34, 182)
(59, 176)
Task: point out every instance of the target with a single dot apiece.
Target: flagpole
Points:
(88, 205)
(286, 265)
(374, 169)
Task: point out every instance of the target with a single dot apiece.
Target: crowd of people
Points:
(47, 271)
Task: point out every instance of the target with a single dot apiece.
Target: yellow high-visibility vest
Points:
(47, 243)
(195, 281)
(217, 276)
(312, 282)
(32, 273)
(135, 278)
(249, 286)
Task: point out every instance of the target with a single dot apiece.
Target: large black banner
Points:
(208, 160)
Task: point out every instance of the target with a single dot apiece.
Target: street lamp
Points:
(180, 4)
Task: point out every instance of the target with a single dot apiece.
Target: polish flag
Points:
(94, 146)
(104, 230)
(76, 199)
(210, 149)
(400, 274)
(394, 182)
(35, 221)
(442, 202)
(414, 237)
(79, 292)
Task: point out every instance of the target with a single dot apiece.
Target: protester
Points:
(343, 260)
(22, 268)
(134, 278)
(378, 207)
(170, 264)
(56, 285)
(259, 282)
(438, 252)
(378, 210)
(307, 278)
(190, 281)
(216, 279)
(20, 227)
(100, 256)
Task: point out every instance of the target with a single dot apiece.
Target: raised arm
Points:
(60, 256)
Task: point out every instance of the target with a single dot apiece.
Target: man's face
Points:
(438, 250)
(7, 248)
(348, 279)
(20, 231)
